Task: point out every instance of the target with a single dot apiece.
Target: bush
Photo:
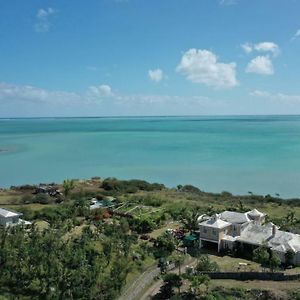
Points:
(26, 199)
(43, 199)
(129, 186)
(190, 189)
(206, 265)
(141, 225)
(163, 246)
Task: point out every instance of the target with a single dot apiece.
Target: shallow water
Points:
(237, 154)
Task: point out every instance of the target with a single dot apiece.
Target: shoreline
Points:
(195, 188)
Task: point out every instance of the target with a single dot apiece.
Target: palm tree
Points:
(68, 186)
(190, 220)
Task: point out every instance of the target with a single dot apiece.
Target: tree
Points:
(261, 255)
(142, 225)
(171, 281)
(196, 282)
(206, 265)
(164, 245)
(274, 262)
(178, 260)
(189, 220)
(68, 186)
(289, 257)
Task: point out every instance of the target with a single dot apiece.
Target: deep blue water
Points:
(238, 154)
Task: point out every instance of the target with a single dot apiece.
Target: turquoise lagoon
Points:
(260, 154)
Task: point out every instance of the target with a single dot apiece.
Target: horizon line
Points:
(151, 116)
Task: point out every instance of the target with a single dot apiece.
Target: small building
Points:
(10, 218)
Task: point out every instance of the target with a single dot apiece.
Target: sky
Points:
(149, 57)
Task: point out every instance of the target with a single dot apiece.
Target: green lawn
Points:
(157, 232)
(256, 284)
(9, 197)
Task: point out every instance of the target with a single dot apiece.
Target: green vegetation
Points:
(72, 252)
(266, 258)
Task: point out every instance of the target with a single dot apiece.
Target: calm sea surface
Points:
(237, 154)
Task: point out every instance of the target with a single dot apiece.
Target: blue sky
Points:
(149, 57)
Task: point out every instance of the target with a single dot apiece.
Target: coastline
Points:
(191, 188)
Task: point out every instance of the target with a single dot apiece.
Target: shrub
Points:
(129, 186)
(26, 199)
(190, 189)
(43, 199)
(163, 246)
(206, 265)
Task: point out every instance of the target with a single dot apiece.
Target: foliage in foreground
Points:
(46, 265)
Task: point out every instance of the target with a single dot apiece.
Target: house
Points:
(229, 230)
(10, 218)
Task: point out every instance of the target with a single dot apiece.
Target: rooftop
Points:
(281, 241)
(255, 213)
(255, 234)
(7, 213)
(215, 222)
(234, 217)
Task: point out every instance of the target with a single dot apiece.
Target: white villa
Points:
(10, 218)
(228, 229)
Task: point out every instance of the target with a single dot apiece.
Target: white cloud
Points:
(267, 47)
(281, 97)
(202, 66)
(296, 35)
(11, 92)
(261, 47)
(247, 47)
(228, 2)
(156, 75)
(91, 68)
(43, 23)
(260, 65)
(27, 93)
(258, 93)
(103, 90)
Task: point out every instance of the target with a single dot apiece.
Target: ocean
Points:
(240, 154)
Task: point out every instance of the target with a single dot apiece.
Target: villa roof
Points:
(255, 234)
(7, 213)
(281, 241)
(285, 240)
(215, 222)
(255, 213)
(234, 217)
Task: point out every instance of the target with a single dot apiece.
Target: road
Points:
(132, 292)
(146, 279)
(155, 287)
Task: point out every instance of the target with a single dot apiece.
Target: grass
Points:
(31, 206)
(157, 232)
(231, 264)
(255, 284)
(8, 197)
(171, 197)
